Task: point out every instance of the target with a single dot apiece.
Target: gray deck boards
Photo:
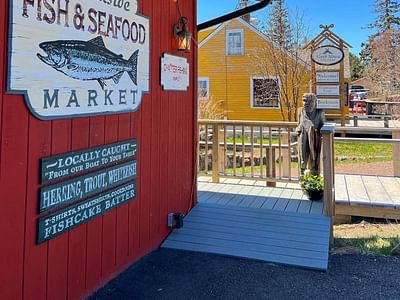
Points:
(370, 191)
(275, 236)
(354, 190)
(247, 219)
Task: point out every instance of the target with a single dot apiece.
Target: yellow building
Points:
(234, 74)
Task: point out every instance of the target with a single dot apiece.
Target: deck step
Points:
(288, 238)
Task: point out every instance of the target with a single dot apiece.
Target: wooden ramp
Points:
(291, 238)
(368, 196)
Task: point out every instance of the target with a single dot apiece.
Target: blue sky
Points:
(350, 17)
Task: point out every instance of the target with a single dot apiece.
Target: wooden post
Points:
(328, 131)
(222, 150)
(215, 146)
(386, 121)
(396, 152)
(355, 121)
(341, 97)
(286, 153)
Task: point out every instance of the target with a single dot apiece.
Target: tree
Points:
(355, 67)
(385, 58)
(278, 24)
(386, 18)
(380, 55)
(281, 57)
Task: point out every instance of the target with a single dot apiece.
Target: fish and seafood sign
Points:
(65, 165)
(73, 58)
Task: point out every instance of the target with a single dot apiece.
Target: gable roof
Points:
(256, 31)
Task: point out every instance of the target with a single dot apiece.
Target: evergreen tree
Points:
(278, 25)
(386, 15)
(355, 67)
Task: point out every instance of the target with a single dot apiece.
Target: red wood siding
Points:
(74, 264)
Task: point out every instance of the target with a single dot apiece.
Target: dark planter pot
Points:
(314, 195)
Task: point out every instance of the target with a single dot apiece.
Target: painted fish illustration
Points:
(88, 60)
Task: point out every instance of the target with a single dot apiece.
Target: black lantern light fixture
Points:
(183, 34)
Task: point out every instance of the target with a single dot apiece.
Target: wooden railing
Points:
(328, 154)
(248, 149)
(328, 167)
(394, 140)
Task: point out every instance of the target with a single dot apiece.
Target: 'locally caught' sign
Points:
(76, 58)
(67, 164)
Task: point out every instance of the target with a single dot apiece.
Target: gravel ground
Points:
(173, 274)
(384, 168)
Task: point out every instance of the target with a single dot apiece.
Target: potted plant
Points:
(312, 186)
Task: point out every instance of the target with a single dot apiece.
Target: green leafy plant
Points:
(312, 182)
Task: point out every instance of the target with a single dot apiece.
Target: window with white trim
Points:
(203, 88)
(234, 42)
(265, 92)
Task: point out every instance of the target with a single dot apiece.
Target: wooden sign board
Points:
(78, 57)
(328, 90)
(327, 103)
(174, 73)
(327, 55)
(327, 77)
(84, 186)
(67, 164)
(75, 215)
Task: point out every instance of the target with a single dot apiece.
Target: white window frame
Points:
(207, 80)
(241, 31)
(252, 94)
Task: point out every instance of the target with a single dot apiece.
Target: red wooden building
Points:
(77, 262)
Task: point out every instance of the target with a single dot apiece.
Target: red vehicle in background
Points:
(357, 96)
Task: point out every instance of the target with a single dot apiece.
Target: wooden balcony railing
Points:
(248, 149)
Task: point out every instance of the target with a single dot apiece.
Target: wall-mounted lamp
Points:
(183, 34)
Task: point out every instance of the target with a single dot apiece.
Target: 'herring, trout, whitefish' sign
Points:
(72, 216)
(76, 58)
(67, 164)
(85, 186)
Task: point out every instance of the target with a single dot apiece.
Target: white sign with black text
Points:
(325, 103)
(328, 90)
(174, 73)
(327, 77)
(76, 58)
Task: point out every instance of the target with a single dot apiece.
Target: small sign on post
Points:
(328, 90)
(174, 73)
(327, 77)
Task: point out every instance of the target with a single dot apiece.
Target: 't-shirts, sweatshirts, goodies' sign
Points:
(75, 215)
(76, 58)
(174, 73)
(67, 164)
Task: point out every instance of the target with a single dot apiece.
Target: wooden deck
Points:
(247, 219)
(356, 195)
(253, 193)
(369, 196)
(276, 236)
